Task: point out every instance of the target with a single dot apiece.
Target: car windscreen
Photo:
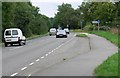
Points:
(7, 33)
(14, 32)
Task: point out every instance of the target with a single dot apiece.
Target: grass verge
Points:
(110, 66)
(81, 35)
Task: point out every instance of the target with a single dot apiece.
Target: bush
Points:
(89, 27)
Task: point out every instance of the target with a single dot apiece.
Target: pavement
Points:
(50, 56)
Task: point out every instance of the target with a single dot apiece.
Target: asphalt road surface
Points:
(50, 56)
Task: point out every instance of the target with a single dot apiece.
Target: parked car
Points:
(67, 30)
(13, 36)
(61, 33)
(52, 31)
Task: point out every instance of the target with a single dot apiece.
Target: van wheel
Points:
(6, 44)
(21, 43)
(25, 43)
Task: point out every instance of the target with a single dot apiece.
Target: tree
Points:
(64, 15)
(24, 16)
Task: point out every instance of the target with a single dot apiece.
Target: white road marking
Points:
(46, 55)
(29, 75)
(42, 57)
(74, 34)
(52, 51)
(49, 53)
(57, 47)
(24, 68)
(37, 60)
(14, 74)
(31, 63)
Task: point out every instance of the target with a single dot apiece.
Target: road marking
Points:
(74, 34)
(29, 75)
(14, 74)
(52, 51)
(49, 53)
(46, 55)
(37, 60)
(42, 57)
(57, 47)
(24, 68)
(31, 63)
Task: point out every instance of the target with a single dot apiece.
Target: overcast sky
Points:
(49, 7)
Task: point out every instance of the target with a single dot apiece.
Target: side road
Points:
(84, 64)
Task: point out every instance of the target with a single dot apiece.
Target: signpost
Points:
(97, 22)
(81, 24)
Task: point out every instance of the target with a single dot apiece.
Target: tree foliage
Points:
(107, 12)
(24, 16)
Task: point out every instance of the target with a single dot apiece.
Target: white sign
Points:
(95, 22)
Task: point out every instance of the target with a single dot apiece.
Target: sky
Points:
(49, 7)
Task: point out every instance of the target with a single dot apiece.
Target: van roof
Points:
(13, 29)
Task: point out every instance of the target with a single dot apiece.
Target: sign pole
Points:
(98, 25)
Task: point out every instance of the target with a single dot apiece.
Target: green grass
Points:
(110, 66)
(108, 35)
(76, 30)
(81, 35)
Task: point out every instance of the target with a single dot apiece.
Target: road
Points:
(50, 56)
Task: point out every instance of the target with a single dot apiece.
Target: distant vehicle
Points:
(13, 36)
(61, 33)
(52, 31)
(67, 30)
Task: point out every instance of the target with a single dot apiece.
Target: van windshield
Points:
(14, 32)
(8, 32)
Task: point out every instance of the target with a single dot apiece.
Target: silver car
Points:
(61, 33)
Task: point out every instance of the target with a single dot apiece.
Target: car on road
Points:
(67, 30)
(14, 36)
(61, 33)
(52, 31)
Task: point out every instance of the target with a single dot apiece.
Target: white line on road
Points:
(46, 54)
(31, 63)
(52, 51)
(49, 53)
(37, 60)
(14, 74)
(29, 75)
(24, 68)
(42, 57)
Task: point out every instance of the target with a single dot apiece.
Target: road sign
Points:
(98, 21)
(94, 21)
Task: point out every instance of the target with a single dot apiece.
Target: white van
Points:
(13, 36)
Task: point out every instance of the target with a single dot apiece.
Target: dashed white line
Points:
(74, 34)
(31, 63)
(46, 54)
(14, 74)
(52, 51)
(24, 68)
(42, 57)
(49, 53)
(29, 75)
(37, 60)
